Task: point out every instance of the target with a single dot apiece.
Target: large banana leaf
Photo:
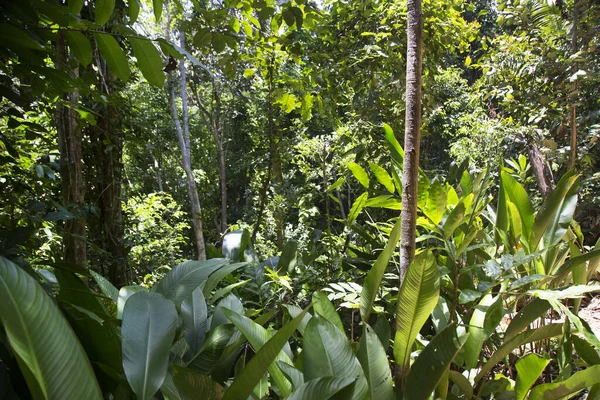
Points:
(124, 294)
(529, 369)
(192, 385)
(264, 359)
(417, 298)
(321, 388)
(554, 218)
(105, 286)
(217, 276)
(327, 352)
(525, 317)
(559, 390)
(182, 280)
(194, 314)
(50, 356)
(258, 336)
(325, 308)
(374, 362)
(148, 330)
(477, 333)
(517, 195)
(371, 285)
(432, 363)
(211, 351)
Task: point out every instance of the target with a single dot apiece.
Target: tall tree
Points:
(412, 133)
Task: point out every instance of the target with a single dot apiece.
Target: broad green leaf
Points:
(258, 337)
(323, 306)
(194, 314)
(336, 184)
(373, 280)
(383, 177)
(558, 390)
(593, 257)
(216, 277)
(157, 5)
(50, 356)
(529, 336)
(432, 363)
(525, 317)
(80, 46)
(385, 201)
(191, 385)
(320, 388)
(463, 383)
(113, 54)
(373, 359)
(516, 194)
(396, 150)
(182, 280)
(289, 258)
(555, 215)
(359, 173)
(148, 330)
(293, 375)
(148, 59)
(454, 220)
(134, 10)
(586, 351)
(327, 352)
(75, 6)
(103, 9)
(12, 37)
(436, 202)
(212, 349)
(416, 300)
(579, 324)
(106, 287)
(124, 294)
(571, 292)
(357, 207)
(529, 369)
(294, 311)
(226, 290)
(264, 359)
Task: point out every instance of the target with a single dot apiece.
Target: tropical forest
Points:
(299, 199)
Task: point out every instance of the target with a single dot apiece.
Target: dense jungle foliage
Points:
(212, 199)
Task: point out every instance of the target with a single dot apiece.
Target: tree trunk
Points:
(573, 153)
(219, 135)
(542, 173)
(71, 166)
(412, 134)
(184, 144)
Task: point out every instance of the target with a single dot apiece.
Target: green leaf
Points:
(336, 184)
(417, 298)
(13, 37)
(558, 390)
(357, 207)
(134, 10)
(454, 220)
(529, 369)
(249, 72)
(327, 352)
(80, 47)
(103, 9)
(124, 294)
(555, 215)
(320, 388)
(323, 306)
(194, 314)
(359, 173)
(191, 385)
(75, 6)
(148, 59)
(289, 258)
(529, 336)
(148, 330)
(218, 43)
(216, 277)
(50, 356)
(106, 287)
(383, 177)
(182, 280)
(289, 17)
(373, 359)
(264, 359)
(516, 194)
(210, 353)
(525, 317)
(373, 280)
(293, 375)
(295, 311)
(586, 351)
(114, 56)
(396, 150)
(432, 363)
(157, 5)
(258, 336)
(436, 202)
(463, 383)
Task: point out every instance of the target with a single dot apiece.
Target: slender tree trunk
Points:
(573, 153)
(70, 148)
(541, 171)
(412, 134)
